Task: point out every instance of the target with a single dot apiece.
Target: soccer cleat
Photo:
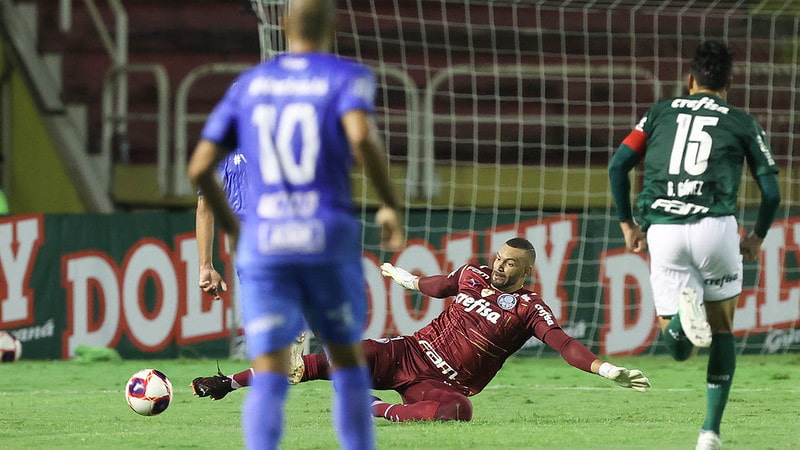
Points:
(216, 386)
(298, 367)
(692, 314)
(708, 440)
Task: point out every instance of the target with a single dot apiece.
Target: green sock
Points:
(679, 346)
(721, 365)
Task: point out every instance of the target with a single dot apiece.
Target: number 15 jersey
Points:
(694, 148)
(285, 117)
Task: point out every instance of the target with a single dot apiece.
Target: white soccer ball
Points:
(148, 392)
(10, 347)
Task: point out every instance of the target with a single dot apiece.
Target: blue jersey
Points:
(284, 116)
(231, 171)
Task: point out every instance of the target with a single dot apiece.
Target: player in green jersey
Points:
(694, 148)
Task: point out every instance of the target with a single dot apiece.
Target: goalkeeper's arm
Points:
(577, 355)
(627, 378)
(437, 286)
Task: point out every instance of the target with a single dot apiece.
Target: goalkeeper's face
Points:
(510, 268)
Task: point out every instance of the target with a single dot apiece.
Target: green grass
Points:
(533, 403)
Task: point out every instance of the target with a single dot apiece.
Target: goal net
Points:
(500, 117)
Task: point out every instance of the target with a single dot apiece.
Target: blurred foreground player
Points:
(232, 171)
(454, 357)
(233, 175)
(694, 148)
(300, 120)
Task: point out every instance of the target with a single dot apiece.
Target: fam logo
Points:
(480, 272)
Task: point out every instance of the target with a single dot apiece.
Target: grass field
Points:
(533, 403)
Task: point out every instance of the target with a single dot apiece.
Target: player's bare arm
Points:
(209, 279)
(367, 150)
(202, 174)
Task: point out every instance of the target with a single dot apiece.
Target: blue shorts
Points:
(278, 301)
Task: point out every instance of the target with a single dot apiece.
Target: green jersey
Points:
(694, 149)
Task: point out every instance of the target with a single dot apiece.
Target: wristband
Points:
(408, 282)
(605, 368)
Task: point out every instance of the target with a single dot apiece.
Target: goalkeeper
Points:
(439, 367)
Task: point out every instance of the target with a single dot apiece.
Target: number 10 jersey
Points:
(285, 117)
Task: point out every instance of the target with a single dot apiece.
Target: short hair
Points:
(712, 65)
(312, 19)
(523, 244)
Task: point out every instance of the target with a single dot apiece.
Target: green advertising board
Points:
(128, 281)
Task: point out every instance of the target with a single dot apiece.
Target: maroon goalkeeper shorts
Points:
(399, 363)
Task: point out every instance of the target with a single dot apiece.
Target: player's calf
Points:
(453, 406)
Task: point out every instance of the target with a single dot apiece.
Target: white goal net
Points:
(500, 118)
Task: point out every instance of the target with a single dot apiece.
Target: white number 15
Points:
(692, 144)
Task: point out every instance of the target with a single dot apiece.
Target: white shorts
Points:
(702, 255)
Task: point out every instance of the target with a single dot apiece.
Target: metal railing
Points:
(112, 117)
(183, 118)
(521, 72)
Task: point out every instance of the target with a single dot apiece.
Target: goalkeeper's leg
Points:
(217, 386)
(428, 400)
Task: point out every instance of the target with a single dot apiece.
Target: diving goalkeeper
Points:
(439, 367)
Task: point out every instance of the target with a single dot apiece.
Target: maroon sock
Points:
(317, 367)
(400, 413)
(243, 378)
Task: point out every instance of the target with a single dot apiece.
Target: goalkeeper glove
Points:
(401, 276)
(633, 379)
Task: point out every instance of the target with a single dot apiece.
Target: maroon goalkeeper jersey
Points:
(482, 327)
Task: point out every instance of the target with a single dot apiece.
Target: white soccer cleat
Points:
(298, 367)
(708, 440)
(692, 313)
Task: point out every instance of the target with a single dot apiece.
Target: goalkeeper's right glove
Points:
(401, 276)
(633, 379)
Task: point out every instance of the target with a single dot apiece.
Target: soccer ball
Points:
(10, 347)
(148, 392)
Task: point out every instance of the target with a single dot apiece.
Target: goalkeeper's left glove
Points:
(633, 379)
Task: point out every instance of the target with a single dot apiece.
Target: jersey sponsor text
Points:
(678, 207)
(480, 306)
(278, 205)
(300, 236)
(287, 86)
(438, 361)
(705, 103)
(478, 271)
(544, 314)
(722, 280)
